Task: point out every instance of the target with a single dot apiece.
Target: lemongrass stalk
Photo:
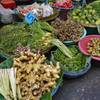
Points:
(5, 81)
(62, 48)
(3, 92)
(11, 73)
(19, 93)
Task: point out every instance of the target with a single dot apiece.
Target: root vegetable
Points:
(33, 76)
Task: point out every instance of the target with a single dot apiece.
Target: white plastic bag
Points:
(6, 15)
(47, 10)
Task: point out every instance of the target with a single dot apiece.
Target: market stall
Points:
(47, 47)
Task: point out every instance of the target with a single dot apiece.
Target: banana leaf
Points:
(47, 96)
(1, 97)
(6, 64)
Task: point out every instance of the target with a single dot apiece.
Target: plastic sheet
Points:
(6, 15)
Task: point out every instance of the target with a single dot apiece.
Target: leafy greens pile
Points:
(34, 36)
(75, 64)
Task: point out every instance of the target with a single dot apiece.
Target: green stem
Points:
(62, 47)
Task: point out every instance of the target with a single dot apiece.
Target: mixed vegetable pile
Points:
(37, 36)
(94, 47)
(29, 76)
(75, 64)
(68, 30)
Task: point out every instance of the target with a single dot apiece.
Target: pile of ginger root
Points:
(33, 76)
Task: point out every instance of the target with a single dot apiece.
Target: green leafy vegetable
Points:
(6, 64)
(76, 63)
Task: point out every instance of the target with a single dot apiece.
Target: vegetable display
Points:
(34, 57)
(94, 47)
(34, 76)
(75, 64)
(68, 30)
(87, 15)
(37, 36)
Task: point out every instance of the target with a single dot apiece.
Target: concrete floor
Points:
(84, 88)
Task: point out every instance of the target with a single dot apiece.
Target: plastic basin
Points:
(81, 72)
(83, 45)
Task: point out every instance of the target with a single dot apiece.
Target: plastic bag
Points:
(47, 10)
(6, 15)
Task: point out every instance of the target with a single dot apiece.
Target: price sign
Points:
(30, 18)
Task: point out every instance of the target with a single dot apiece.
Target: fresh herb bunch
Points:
(10, 40)
(12, 35)
(75, 64)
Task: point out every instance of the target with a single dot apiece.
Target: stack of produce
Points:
(87, 15)
(63, 4)
(68, 30)
(75, 64)
(34, 77)
(94, 47)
